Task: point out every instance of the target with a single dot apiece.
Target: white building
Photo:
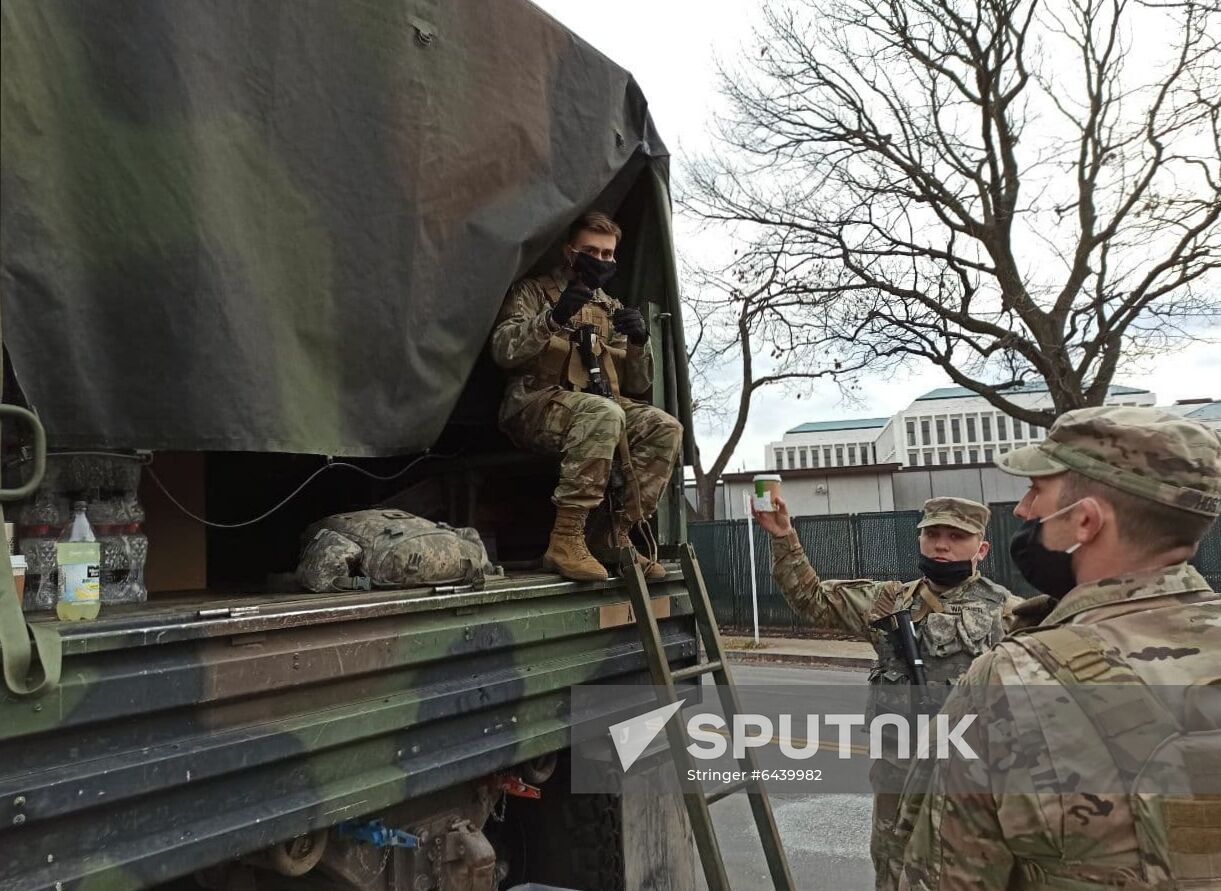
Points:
(946, 426)
(820, 444)
(1202, 411)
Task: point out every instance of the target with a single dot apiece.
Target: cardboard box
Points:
(177, 545)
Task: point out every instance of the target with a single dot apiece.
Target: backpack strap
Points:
(1178, 836)
(1129, 718)
(25, 675)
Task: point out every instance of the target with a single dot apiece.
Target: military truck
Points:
(257, 250)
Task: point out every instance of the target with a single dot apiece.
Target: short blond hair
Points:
(594, 221)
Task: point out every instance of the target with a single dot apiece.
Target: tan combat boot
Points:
(567, 553)
(653, 571)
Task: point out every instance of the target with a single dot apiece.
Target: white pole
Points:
(754, 586)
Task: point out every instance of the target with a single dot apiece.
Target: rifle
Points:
(899, 629)
(586, 337)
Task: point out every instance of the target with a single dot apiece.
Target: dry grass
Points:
(744, 643)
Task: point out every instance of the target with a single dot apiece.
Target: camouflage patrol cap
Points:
(1142, 451)
(969, 516)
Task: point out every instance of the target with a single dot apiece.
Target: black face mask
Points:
(1051, 572)
(592, 272)
(948, 575)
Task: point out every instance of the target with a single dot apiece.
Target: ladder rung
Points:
(713, 797)
(695, 671)
(697, 804)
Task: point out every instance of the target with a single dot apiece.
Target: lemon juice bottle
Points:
(79, 560)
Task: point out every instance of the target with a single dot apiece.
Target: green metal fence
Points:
(848, 546)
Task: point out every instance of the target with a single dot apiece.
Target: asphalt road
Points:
(826, 836)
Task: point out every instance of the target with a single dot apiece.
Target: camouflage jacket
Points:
(953, 627)
(1153, 625)
(522, 334)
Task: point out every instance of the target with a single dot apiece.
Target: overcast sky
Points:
(671, 47)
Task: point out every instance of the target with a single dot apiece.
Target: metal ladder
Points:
(664, 679)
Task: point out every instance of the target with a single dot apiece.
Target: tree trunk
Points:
(705, 489)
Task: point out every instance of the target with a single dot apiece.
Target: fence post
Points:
(754, 584)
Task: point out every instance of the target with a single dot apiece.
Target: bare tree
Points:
(1011, 190)
(751, 329)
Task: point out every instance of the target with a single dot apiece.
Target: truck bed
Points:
(195, 729)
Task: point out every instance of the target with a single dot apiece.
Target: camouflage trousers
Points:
(584, 430)
(886, 843)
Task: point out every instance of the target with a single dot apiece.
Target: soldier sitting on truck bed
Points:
(958, 615)
(552, 403)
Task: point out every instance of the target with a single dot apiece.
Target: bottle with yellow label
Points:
(79, 561)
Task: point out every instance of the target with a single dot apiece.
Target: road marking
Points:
(832, 745)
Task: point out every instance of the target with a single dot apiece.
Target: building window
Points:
(986, 424)
(928, 457)
(805, 457)
(971, 429)
(913, 458)
(1000, 429)
(1003, 450)
(957, 456)
(1017, 429)
(792, 459)
(943, 457)
(779, 456)
(973, 456)
(851, 454)
(987, 454)
(940, 432)
(826, 457)
(956, 430)
(814, 457)
(911, 433)
(865, 456)
(839, 456)
(925, 439)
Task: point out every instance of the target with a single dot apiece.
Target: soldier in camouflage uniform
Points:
(1118, 500)
(957, 612)
(544, 408)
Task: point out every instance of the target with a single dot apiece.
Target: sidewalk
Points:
(847, 654)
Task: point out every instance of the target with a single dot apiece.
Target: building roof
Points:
(847, 424)
(746, 476)
(1033, 387)
(1210, 412)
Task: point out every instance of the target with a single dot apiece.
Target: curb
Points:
(758, 657)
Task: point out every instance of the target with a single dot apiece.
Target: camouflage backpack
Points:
(1170, 768)
(389, 549)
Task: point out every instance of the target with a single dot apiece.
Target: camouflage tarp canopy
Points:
(288, 226)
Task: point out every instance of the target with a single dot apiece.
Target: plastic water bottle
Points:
(134, 588)
(104, 519)
(40, 523)
(80, 572)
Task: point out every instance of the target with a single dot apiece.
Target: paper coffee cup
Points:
(767, 486)
(18, 562)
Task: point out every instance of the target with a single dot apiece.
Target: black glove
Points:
(574, 297)
(630, 322)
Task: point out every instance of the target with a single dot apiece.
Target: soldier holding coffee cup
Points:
(957, 614)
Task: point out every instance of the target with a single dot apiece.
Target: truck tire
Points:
(595, 849)
(563, 839)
